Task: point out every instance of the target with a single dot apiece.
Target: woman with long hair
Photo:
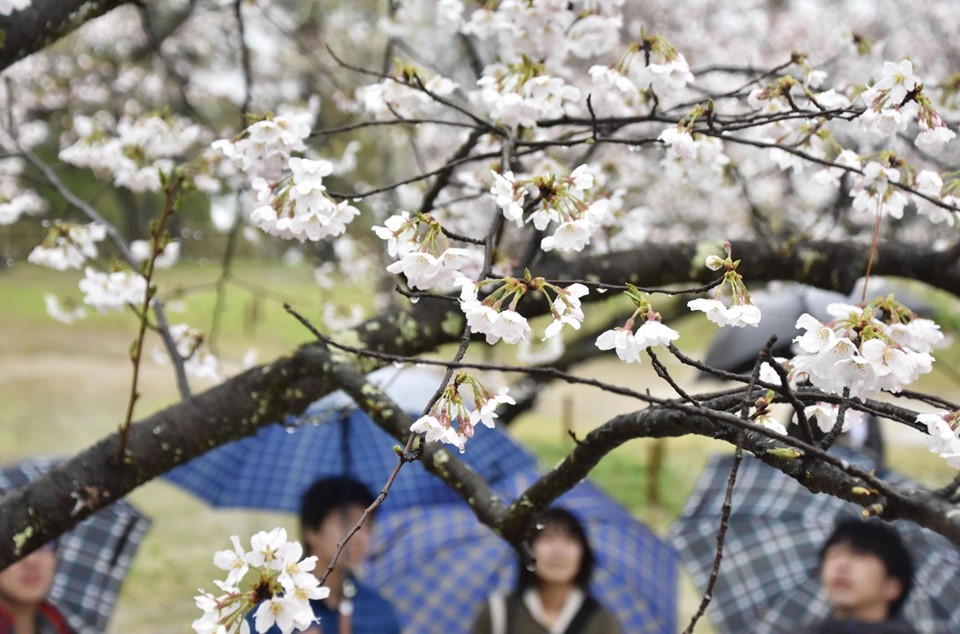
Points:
(552, 597)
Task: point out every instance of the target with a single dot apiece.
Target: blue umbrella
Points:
(438, 564)
(273, 468)
(425, 534)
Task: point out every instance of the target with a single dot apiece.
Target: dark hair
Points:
(331, 494)
(877, 538)
(568, 522)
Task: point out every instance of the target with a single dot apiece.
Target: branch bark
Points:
(44, 22)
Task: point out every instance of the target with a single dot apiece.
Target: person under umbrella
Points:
(24, 585)
(867, 572)
(92, 559)
(771, 579)
(554, 597)
(328, 511)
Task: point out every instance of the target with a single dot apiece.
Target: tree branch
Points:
(44, 22)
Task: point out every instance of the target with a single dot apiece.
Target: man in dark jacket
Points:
(867, 573)
(328, 511)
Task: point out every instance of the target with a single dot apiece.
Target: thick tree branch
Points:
(47, 507)
(44, 22)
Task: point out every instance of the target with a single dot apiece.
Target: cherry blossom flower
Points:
(274, 599)
(859, 353)
(942, 439)
(435, 430)
(68, 246)
(112, 291)
(141, 250)
(64, 314)
(826, 414)
(629, 345)
(426, 271)
(737, 315)
(400, 232)
(680, 142)
(233, 561)
(623, 341)
(566, 309)
(15, 201)
(198, 361)
(451, 420)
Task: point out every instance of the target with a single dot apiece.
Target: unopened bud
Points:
(714, 262)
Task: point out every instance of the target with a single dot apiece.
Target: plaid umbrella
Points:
(438, 564)
(769, 576)
(273, 468)
(92, 559)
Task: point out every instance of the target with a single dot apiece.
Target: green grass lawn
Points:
(63, 387)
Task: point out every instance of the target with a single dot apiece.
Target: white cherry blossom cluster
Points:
(299, 207)
(943, 439)
(68, 246)
(495, 317)
(664, 77)
(929, 183)
(135, 151)
(15, 201)
(281, 585)
(405, 94)
(630, 345)
(198, 362)
(893, 101)
(741, 312)
(452, 420)
(881, 346)
(112, 291)
(875, 193)
(560, 200)
(424, 255)
(264, 148)
(521, 94)
(547, 29)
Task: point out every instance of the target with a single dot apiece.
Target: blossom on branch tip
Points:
(942, 439)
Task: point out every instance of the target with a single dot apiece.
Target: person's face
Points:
(857, 582)
(25, 583)
(558, 554)
(322, 541)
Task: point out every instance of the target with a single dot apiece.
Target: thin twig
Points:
(725, 510)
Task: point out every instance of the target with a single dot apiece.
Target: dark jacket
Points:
(591, 618)
(837, 626)
(372, 614)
